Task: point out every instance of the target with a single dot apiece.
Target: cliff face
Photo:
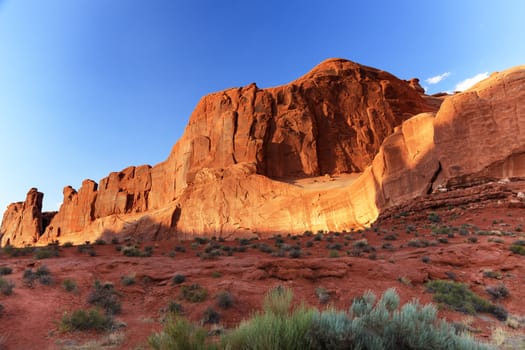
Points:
(235, 170)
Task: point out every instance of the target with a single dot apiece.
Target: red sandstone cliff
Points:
(230, 173)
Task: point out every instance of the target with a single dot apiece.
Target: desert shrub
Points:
(105, 296)
(6, 286)
(41, 274)
(518, 247)
(382, 325)
(180, 334)
(472, 239)
(100, 241)
(277, 327)
(224, 300)
(459, 297)
(493, 274)
(16, 252)
(265, 248)
(133, 251)
(322, 295)
(309, 244)
(434, 217)
(425, 259)
(5, 270)
(295, 253)
(334, 246)
(180, 249)
(46, 252)
(418, 243)
(333, 254)
(127, 280)
(69, 285)
(194, 293)
(210, 316)
(216, 274)
(390, 237)
(498, 291)
(361, 243)
(84, 320)
(178, 279)
(67, 244)
(174, 308)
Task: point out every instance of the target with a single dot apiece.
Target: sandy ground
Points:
(30, 316)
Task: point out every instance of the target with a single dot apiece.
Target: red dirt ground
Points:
(30, 316)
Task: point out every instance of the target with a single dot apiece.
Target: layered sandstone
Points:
(234, 171)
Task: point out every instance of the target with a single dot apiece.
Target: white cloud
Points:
(467, 83)
(437, 78)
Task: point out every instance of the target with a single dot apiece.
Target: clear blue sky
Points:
(92, 86)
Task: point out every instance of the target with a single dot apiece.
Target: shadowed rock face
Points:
(229, 175)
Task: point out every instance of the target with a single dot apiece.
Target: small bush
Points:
(133, 251)
(84, 320)
(175, 308)
(194, 293)
(333, 254)
(295, 253)
(178, 279)
(362, 243)
(224, 300)
(100, 241)
(5, 270)
(105, 296)
(322, 295)
(216, 274)
(127, 280)
(498, 291)
(6, 286)
(434, 217)
(178, 334)
(517, 249)
(425, 259)
(69, 285)
(460, 298)
(46, 252)
(493, 274)
(211, 316)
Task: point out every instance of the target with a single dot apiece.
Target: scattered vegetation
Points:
(47, 252)
(6, 286)
(210, 316)
(134, 251)
(518, 247)
(105, 296)
(460, 298)
(5, 270)
(194, 293)
(41, 274)
(69, 285)
(179, 334)
(84, 320)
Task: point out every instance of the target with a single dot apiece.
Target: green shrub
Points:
(180, 334)
(460, 298)
(5, 270)
(105, 296)
(84, 320)
(6, 286)
(194, 293)
(275, 328)
(498, 291)
(517, 249)
(69, 285)
(333, 254)
(174, 308)
(42, 274)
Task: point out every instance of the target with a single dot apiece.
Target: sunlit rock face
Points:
(328, 151)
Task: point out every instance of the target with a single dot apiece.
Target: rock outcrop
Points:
(252, 161)
(23, 221)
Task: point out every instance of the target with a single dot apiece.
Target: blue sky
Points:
(92, 86)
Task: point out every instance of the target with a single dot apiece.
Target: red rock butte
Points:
(329, 151)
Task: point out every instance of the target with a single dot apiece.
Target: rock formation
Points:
(251, 161)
